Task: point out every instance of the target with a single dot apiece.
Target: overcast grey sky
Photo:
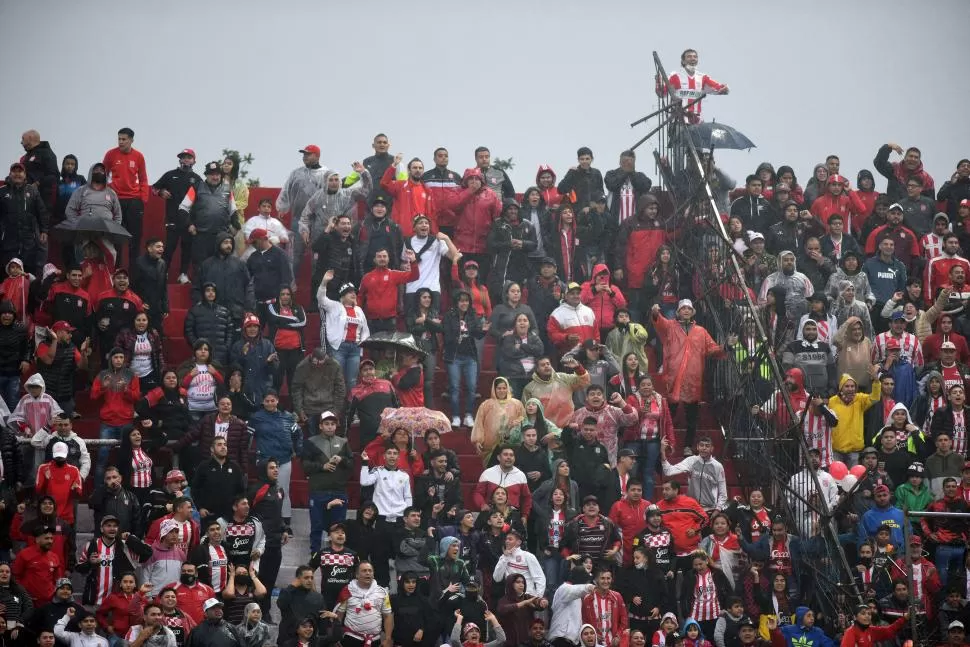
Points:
(530, 79)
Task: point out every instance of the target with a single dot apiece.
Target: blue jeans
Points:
(648, 453)
(947, 556)
(554, 568)
(10, 390)
(466, 367)
(321, 518)
(348, 356)
(107, 433)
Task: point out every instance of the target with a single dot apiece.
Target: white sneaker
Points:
(455, 422)
(183, 279)
(469, 421)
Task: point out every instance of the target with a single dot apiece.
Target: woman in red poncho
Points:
(410, 461)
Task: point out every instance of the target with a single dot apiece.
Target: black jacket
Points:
(177, 182)
(456, 342)
(122, 504)
(294, 605)
(214, 486)
(271, 270)
(510, 264)
(217, 634)
(544, 297)
(340, 256)
(276, 321)
(266, 501)
(755, 212)
(234, 286)
(40, 162)
(149, 280)
(13, 467)
(14, 348)
(373, 236)
(586, 183)
(788, 236)
(953, 193)
(210, 321)
(586, 462)
(429, 490)
(534, 461)
(22, 215)
(121, 565)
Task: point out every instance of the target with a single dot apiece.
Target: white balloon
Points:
(848, 482)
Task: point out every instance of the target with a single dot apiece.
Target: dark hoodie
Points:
(510, 264)
(40, 163)
(14, 347)
(538, 217)
(66, 186)
(266, 503)
(585, 184)
(515, 620)
(363, 537)
(234, 286)
(210, 321)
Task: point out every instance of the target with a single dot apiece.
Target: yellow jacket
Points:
(848, 435)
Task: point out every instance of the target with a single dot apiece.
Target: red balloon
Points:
(838, 470)
(858, 471)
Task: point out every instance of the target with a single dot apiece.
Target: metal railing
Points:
(766, 454)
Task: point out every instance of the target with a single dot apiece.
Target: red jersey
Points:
(64, 483)
(37, 570)
(630, 518)
(379, 289)
(190, 598)
(127, 173)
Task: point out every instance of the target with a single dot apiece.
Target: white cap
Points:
(60, 450)
(685, 303)
(168, 526)
(327, 415)
(211, 602)
(956, 624)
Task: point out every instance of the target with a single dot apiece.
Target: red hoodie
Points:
(474, 212)
(129, 178)
(604, 304)
(846, 204)
(121, 391)
(410, 199)
(551, 195)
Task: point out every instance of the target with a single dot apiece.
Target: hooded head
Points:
(222, 237)
(445, 544)
(583, 628)
(508, 393)
(865, 174)
(899, 406)
(797, 376)
(545, 168)
(800, 615)
(472, 173)
(781, 262)
(36, 380)
(601, 273)
(690, 622)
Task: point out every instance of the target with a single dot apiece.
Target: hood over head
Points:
(601, 268)
(797, 376)
(225, 236)
(787, 252)
(899, 406)
(800, 614)
(581, 629)
(688, 623)
(846, 378)
(469, 174)
(862, 175)
(858, 259)
(36, 380)
(525, 199)
(445, 544)
(814, 181)
(495, 382)
(545, 168)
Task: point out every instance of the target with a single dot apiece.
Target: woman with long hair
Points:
(121, 609)
(424, 324)
(499, 502)
(550, 523)
(201, 380)
(495, 419)
(286, 321)
(516, 610)
(627, 381)
(561, 480)
(518, 352)
(135, 462)
(724, 549)
(143, 348)
(167, 407)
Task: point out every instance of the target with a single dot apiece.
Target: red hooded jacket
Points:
(604, 304)
(410, 199)
(121, 391)
(846, 204)
(679, 517)
(474, 213)
(550, 195)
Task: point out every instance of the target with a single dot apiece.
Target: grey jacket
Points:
(299, 187)
(88, 200)
(323, 205)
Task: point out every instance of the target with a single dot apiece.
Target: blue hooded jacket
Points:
(277, 435)
(797, 635)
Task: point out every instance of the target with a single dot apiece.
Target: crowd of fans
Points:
(578, 283)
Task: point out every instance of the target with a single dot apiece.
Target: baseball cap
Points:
(120, 272)
(62, 325)
(947, 345)
(895, 206)
(965, 202)
(175, 475)
(590, 498)
(897, 314)
(915, 469)
(258, 234)
(213, 167)
(746, 621)
(250, 320)
(168, 526)
(211, 602)
(625, 452)
(654, 511)
(186, 152)
(880, 489)
(335, 526)
(685, 303)
(107, 518)
(573, 286)
(547, 260)
(347, 287)
(328, 415)
(60, 450)
(590, 344)
(64, 581)
(869, 450)
(310, 148)
(379, 199)
(756, 236)
(956, 624)
(915, 540)
(18, 165)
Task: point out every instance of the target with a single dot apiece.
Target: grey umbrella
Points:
(397, 341)
(89, 226)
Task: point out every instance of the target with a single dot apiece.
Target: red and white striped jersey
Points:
(960, 431)
(932, 245)
(627, 200)
(105, 566)
(910, 348)
(818, 434)
(689, 88)
(706, 605)
(141, 468)
(218, 567)
(935, 405)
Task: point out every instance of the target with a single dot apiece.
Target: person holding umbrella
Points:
(95, 198)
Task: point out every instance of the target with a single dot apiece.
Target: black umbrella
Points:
(397, 341)
(91, 226)
(712, 135)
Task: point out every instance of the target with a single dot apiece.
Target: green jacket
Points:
(909, 499)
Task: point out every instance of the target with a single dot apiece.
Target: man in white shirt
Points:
(803, 490)
(515, 561)
(705, 475)
(429, 251)
(392, 486)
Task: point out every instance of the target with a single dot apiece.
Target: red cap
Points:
(880, 489)
(175, 476)
(965, 202)
(915, 540)
(966, 466)
(19, 165)
(250, 320)
(62, 325)
(187, 151)
(258, 234)
(310, 148)
(836, 178)
(892, 344)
